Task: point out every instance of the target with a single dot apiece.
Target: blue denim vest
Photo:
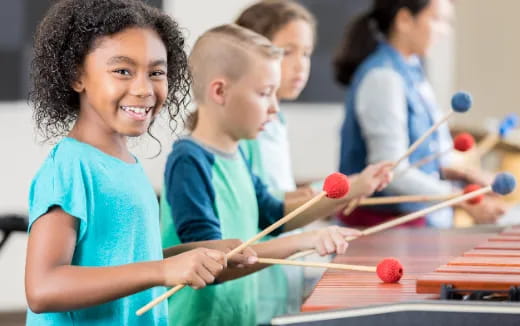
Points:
(353, 157)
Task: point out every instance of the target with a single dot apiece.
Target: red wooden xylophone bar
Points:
(493, 265)
(419, 250)
(511, 231)
(361, 299)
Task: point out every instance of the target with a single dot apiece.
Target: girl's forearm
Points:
(69, 287)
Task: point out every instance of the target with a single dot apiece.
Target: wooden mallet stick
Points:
(316, 264)
(463, 142)
(418, 198)
(352, 206)
(405, 199)
(336, 185)
(503, 184)
(373, 201)
(389, 270)
(460, 102)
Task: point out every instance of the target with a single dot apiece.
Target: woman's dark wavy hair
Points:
(362, 36)
(68, 33)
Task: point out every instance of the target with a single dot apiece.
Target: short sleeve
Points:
(62, 184)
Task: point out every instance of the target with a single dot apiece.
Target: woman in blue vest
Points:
(390, 104)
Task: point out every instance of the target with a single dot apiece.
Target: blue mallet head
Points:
(509, 123)
(504, 183)
(513, 120)
(461, 102)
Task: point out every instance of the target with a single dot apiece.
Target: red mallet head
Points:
(389, 270)
(336, 185)
(475, 200)
(463, 142)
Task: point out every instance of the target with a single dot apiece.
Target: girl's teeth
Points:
(135, 109)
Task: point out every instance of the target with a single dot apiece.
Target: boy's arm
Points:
(277, 248)
(326, 241)
(221, 245)
(191, 198)
(53, 284)
(271, 209)
(373, 178)
(183, 247)
(325, 207)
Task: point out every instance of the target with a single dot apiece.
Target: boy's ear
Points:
(218, 91)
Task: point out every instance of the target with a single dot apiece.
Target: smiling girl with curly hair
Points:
(102, 72)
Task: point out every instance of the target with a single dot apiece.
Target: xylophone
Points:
(421, 313)
(365, 300)
(490, 269)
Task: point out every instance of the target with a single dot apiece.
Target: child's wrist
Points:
(309, 240)
(158, 273)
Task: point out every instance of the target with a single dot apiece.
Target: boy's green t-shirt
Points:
(211, 195)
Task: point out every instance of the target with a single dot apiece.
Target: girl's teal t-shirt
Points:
(118, 223)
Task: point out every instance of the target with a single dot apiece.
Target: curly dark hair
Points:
(68, 33)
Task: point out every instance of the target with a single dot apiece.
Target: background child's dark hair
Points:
(362, 36)
(269, 16)
(69, 32)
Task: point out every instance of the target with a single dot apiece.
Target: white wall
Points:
(197, 16)
(486, 64)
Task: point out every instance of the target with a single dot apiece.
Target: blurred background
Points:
(480, 54)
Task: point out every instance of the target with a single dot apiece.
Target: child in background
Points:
(102, 71)
(390, 104)
(289, 26)
(210, 192)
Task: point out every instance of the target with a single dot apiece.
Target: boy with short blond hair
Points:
(210, 192)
